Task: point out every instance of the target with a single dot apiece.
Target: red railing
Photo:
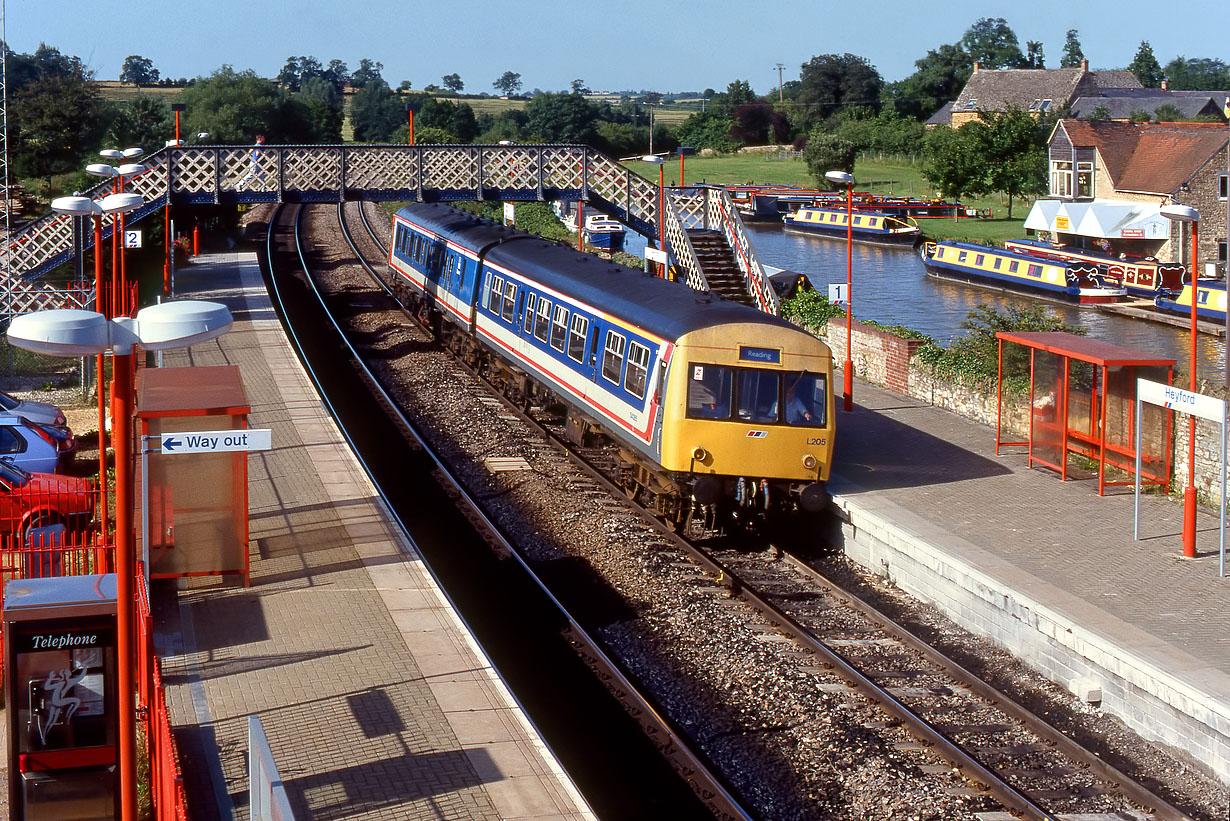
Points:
(166, 782)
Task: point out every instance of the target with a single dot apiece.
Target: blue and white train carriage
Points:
(709, 401)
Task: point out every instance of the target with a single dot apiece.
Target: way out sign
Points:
(216, 441)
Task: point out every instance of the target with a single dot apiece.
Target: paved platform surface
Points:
(375, 700)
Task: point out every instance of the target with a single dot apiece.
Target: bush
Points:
(810, 309)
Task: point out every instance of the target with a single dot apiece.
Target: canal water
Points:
(891, 286)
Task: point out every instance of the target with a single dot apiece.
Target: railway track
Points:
(936, 720)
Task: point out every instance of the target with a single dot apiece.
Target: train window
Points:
(613, 357)
(638, 369)
(401, 238)
(495, 293)
(510, 301)
(576, 339)
(757, 396)
(709, 389)
(542, 326)
(531, 310)
(806, 399)
(559, 328)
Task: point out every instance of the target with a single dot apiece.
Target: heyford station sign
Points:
(216, 441)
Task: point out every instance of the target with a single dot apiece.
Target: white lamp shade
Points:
(652, 158)
(75, 206)
(100, 169)
(839, 177)
(1180, 213)
(130, 169)
(129, 153)
(111, 154)
(121, 203)
(180, 324)
(62, 332)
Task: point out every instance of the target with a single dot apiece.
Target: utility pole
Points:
(781, 94)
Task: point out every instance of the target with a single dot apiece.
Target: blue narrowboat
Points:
(1081, 283)
(1140, 276)
(869, 226)
(1210, 300)
(605, 233)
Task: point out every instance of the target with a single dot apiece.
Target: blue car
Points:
(35, 448)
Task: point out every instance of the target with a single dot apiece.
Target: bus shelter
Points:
(1074, 396)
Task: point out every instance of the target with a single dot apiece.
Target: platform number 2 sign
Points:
(132, 239)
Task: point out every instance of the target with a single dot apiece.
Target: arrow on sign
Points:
(171, 444)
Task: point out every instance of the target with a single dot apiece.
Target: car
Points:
(33, 500)
(35, 448)
(44, 413)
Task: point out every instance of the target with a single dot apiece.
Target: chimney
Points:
(1165, 85)
(1084, 64)
(977, 66)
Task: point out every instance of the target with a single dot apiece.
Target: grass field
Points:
(900, 178)
(115, 92)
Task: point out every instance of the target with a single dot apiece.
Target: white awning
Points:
(1106, 219)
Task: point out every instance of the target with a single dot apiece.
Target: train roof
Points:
(658, 306)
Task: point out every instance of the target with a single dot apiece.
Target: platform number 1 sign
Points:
(132, 239)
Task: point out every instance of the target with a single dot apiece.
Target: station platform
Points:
(376, 701)
(1045, 568)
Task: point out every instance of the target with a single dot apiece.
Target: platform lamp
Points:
(118, 276)
(1180, 214)
(654, 159)
(847, 179)
(72, 333)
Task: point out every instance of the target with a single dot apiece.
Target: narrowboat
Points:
(1210, 301)
(1081, 283)
(1140, 276)
(869, 226)
(603, 232)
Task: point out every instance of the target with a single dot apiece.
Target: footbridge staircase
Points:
(705, 239)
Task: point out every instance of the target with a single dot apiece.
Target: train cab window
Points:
(559, 328)
(576, 339)
(401, 238)
(613, 357)
(510, 301)
(638, 369)
(542, 325)
(494, 293)
(531, 310)
(806, 395)
(757, 396)
(709, 390)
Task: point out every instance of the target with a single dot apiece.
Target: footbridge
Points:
(705, 239)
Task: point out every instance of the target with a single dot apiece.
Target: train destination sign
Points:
(216, 441)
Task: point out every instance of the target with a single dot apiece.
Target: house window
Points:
(1084, 179)
(1061, 179)
(1222, 187)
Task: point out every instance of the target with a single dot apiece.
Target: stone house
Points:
(1037, 90)
(1109, 180)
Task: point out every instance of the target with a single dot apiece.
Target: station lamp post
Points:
(846, 179)
(73, 333)
(118, 276)
(654, 159)
(1180, 214)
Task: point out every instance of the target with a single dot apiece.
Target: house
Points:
(1109, 180)
(1037, 90)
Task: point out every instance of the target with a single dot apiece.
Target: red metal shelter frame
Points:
(1051, 423)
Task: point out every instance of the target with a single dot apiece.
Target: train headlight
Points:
(699, 454)
(810, 462)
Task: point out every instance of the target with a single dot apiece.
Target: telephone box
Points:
(60, 682)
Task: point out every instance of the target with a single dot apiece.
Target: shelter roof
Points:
(1083, 348)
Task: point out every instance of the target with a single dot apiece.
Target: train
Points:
(716, 409)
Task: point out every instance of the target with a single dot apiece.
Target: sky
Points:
(657, 45)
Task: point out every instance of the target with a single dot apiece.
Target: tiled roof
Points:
(941, 117)
(1148, 157)
(1121, 107)
(1025, 87)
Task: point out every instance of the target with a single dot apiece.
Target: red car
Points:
(29, 500)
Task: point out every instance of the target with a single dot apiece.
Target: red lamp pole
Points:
(100, 376)
(1189, 492)
(662, 214)
(848, 367)
(122, 403)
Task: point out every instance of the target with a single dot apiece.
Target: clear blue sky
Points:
(624, 44)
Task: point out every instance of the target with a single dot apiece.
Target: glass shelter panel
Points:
(1047, 412)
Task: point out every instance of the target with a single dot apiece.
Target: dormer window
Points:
(1034, 105)
(969, 106)
(1044, 105)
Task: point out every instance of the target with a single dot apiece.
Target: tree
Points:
(291, 74)
(1146, 67)
(1139, 115)
(829, 82)
(455, 118)
(453, 83)
(579, 87)
(562, 118)
(1072, 54)
(1167, 113)
(367, 72)
(138, 71)
(939, 79)
(1197, 74)
(1034, 58)
(145, 121)
(739, 93)
(376, 112)
(509, 83)
(236, 106)
(951, 159)
(993, 44)
(1099, 113)
(707, 129)
(1013, 152)
(826, 152)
